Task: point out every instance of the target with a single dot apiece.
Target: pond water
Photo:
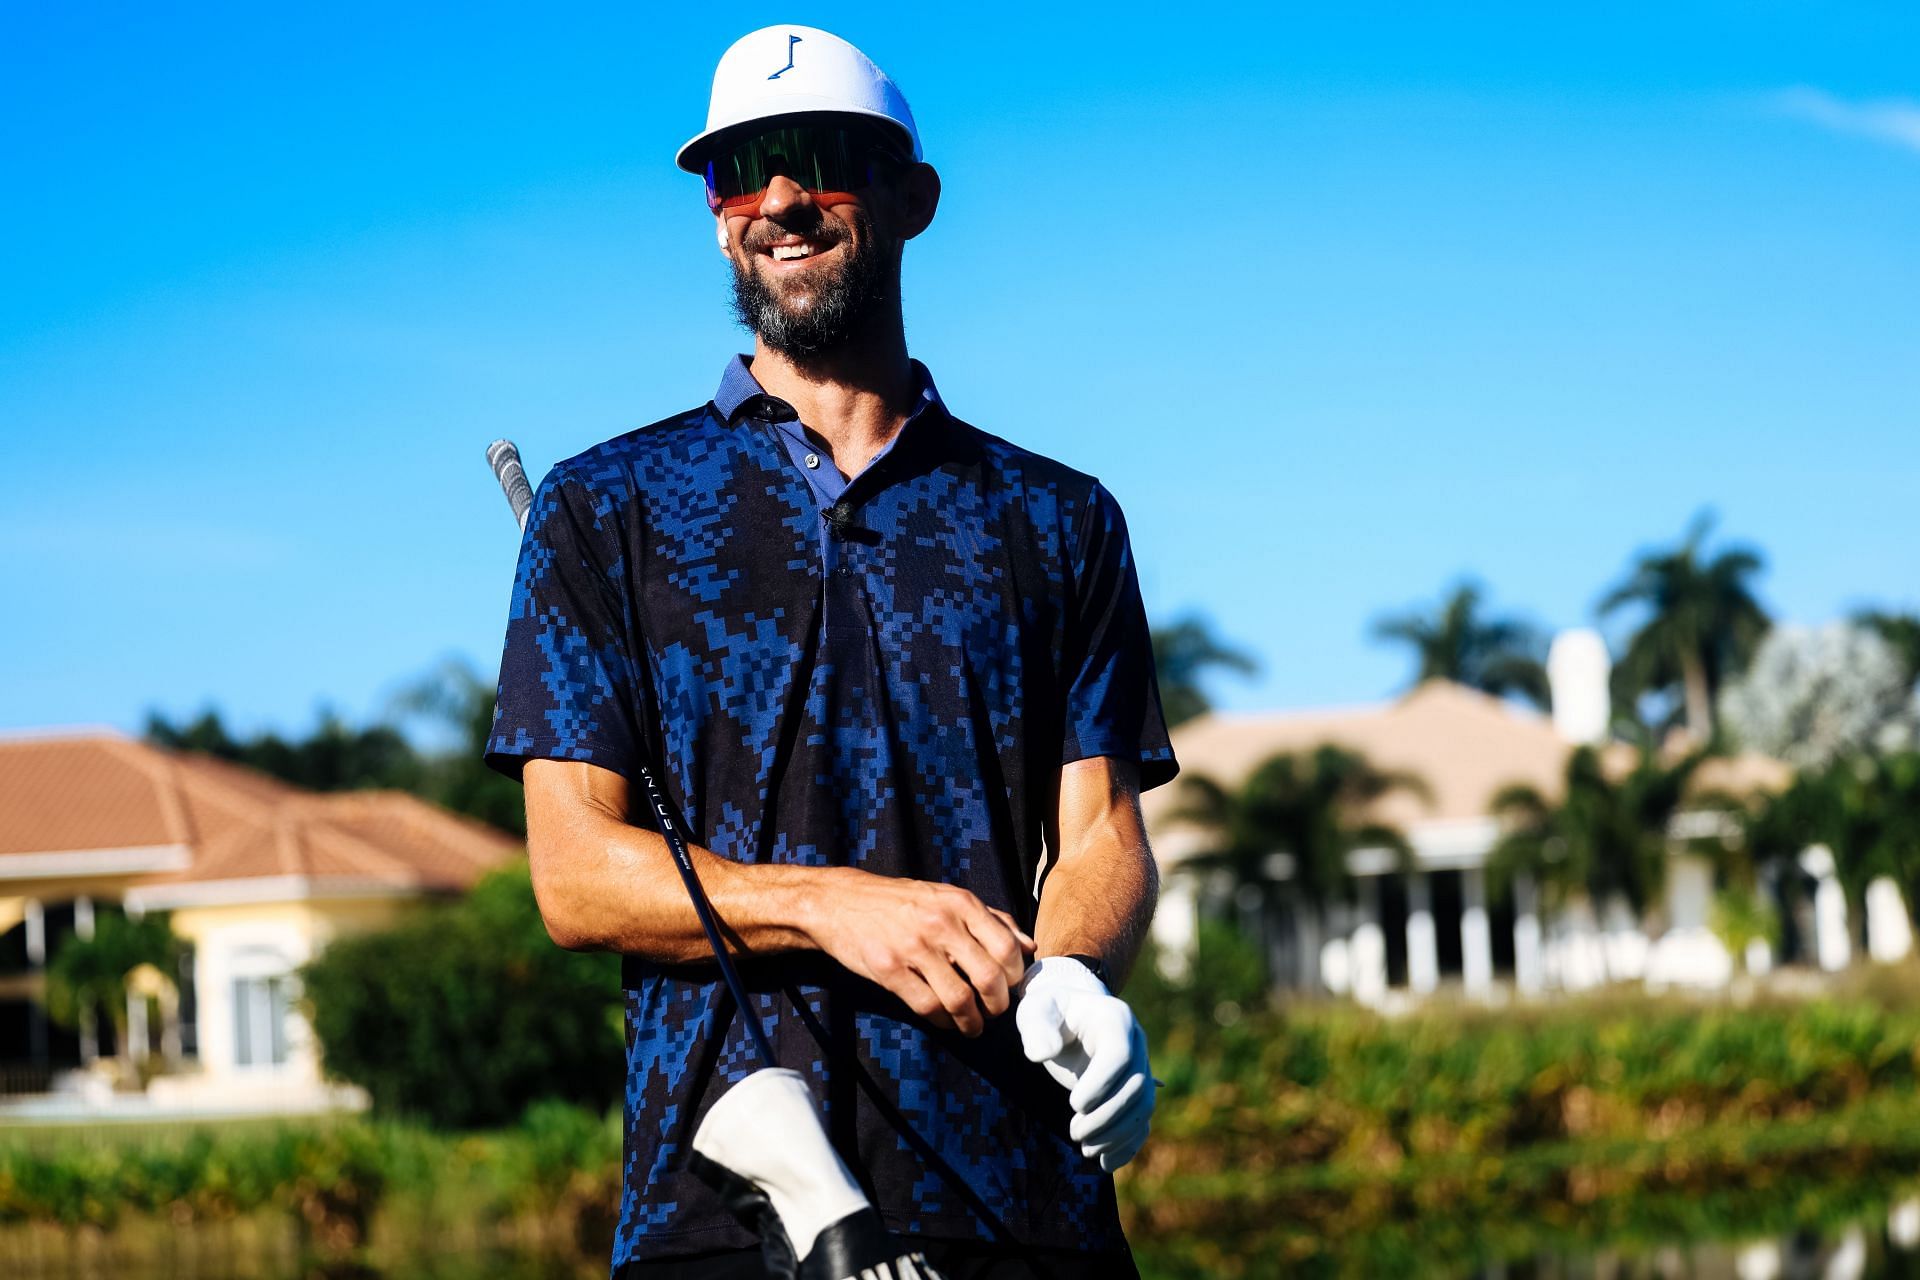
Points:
(1880, 1240)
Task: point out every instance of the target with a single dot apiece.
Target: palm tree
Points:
(1901, 631)
(1312, 808)
(1183, 653)
(1702, 623)
(1606, 839)
(89, 974)
(1458, 642)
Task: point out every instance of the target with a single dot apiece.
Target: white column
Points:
(1830, 924)
(1526, 935)
(1369, 947)
(1831, 943)
(1903, 1223)
(1476, 934)
(1849, 1261)
(1306, 926)
(1758, 1261)
(136, 1046)
(89, 1034)
(170, 1049)
(1889, 931)
(36, 921)
(89, 1016)
(1423, 946)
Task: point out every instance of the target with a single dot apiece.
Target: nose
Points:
(783, 196)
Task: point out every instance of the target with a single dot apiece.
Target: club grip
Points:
(504, 458)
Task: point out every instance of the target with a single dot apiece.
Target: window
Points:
(260, 1008)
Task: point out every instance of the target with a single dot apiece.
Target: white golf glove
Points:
(1087, 1039)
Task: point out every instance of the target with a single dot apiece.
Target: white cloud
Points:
(1895, 120)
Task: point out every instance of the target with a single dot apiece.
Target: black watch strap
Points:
(1097, 965)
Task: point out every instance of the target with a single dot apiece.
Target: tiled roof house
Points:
(258, 876)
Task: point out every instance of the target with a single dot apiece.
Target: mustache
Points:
(820, 230)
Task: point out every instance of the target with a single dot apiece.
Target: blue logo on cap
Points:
(791, 41)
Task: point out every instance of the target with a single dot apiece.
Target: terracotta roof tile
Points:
(85, 792)
(103, 792)
(1467, 745)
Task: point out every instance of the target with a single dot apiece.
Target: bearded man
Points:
(896, 675)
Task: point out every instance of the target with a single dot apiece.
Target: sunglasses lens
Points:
(818, 157)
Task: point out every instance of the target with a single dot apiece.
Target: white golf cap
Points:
(791, 70)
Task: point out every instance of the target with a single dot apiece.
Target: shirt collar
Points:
(739, 389)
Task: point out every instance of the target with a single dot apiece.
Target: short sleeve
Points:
(569, 687)
(1113, 696)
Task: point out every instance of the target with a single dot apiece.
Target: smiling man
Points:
(896, 674)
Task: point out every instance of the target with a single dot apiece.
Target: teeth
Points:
(788, 252)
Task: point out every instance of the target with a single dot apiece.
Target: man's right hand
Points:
(948, 956)
(606, 885)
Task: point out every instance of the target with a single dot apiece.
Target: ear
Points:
(919, 194)
(720, 233)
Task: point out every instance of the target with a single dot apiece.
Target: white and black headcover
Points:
(762, 1148)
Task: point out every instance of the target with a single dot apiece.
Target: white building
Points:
(1414, 931)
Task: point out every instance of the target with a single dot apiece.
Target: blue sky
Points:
(1341, 303)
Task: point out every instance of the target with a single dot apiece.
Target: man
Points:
(896, 674)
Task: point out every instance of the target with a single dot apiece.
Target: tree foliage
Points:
(1503, 656)
(1700, 624)
(452, 702)
(1603, 836)
(1812, 695)
(465, 1013)
(91, 973)
(1184, 653)
(334, 757)
(1864, 808)
(1312, 807)
(455, 697)
(1901, 631)
(1226, 978)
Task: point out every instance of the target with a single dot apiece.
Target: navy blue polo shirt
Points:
(884, 672)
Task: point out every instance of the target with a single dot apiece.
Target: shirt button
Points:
(813, 461)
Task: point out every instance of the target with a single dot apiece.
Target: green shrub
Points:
(465, 1014)
(331, 1177)
(1227, 980)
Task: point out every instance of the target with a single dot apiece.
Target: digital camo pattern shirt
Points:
(893, 689)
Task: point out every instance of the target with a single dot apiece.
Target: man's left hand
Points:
(1088, 1040)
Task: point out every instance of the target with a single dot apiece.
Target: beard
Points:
(809, 320)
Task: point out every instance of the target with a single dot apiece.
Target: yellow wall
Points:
(229, 940)
(293, 920)
(316, 922)
(67, 888)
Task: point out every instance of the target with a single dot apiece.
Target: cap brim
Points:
(692, 156)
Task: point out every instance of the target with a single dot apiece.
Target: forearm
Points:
(604, 885)
(1099, 895)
